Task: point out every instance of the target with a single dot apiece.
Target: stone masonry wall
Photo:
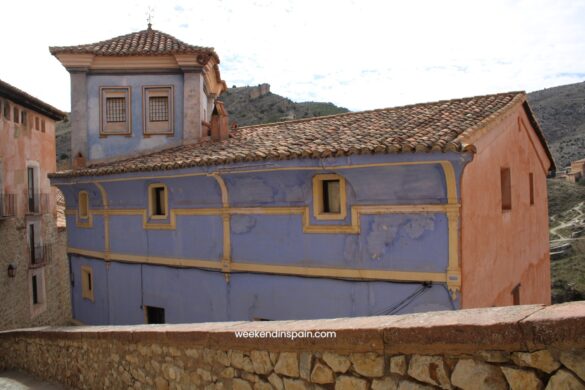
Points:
(521, 347)
(15, 302)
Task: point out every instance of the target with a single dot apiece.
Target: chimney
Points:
(79, 161)
(219, 122)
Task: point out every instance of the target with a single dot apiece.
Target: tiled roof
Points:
(20, 97)
(141, 43)
(414, 128)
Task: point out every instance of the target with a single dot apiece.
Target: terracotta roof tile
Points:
(415, 128)
(145, 42)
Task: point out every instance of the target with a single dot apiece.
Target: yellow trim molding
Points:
(322, 272)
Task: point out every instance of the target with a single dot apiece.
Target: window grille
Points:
(158, 109)
(115, 109)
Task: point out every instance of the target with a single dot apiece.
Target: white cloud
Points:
(359, 54)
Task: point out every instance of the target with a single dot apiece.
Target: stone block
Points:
(345, 382)
(542, 360)
(521, 379)
(429, 369)
(287, 364)
(322, 374)
(471, 374)
(368, 364)
(338, 363)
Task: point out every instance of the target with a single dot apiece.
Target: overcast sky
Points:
(360, 54)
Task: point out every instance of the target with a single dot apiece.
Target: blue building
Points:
(173, 218)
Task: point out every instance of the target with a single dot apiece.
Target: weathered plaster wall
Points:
(408, 242)
(194, 295)
(522, 347)
(21, 144)
(503, 248)
(116, 146)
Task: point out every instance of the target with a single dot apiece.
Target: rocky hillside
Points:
(561, 113)
(255, 105)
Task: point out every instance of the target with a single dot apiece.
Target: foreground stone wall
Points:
(522, 347)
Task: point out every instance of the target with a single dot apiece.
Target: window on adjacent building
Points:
(154, 315)
(329, 200)
(531, 184)
(83, 203)
(87, 282)
(6, 110)
(35, 290)
(506, 188)
(115, 111)
(516, 294)
(15, 115)
(37, 123)
(24, 117)
(42, 125)
(157, 108)
(158, 200)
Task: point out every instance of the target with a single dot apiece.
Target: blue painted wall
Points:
(191, 295)
(400, 242)
(113, 146)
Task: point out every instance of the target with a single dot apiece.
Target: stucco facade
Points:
(33, 267)
(379, 212)
(503, 249)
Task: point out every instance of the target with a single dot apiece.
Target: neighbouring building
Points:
(576, 171)
(173, 218)
(34, 273)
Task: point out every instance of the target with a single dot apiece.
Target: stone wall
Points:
(521, 347)
(16, 309)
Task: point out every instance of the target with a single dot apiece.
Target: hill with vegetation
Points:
(255, 105)
(561, 114)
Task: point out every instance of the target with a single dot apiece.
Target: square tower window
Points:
(115, 112)
(158, 110)
(329, 199)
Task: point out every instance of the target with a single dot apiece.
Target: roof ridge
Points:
(33, 100)
(315, 118)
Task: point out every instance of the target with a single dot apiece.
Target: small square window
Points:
(87, 283)
(506, 189)
(154, 315)
(115, 111)
(329, 199)
(158, 201)
(157, 108)
(83, 201)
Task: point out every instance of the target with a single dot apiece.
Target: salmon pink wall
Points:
(503, 248)
(20, 144)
